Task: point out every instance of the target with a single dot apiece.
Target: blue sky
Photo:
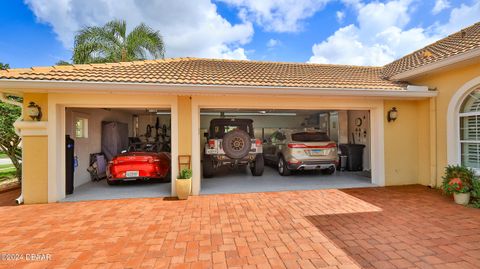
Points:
(41, 32)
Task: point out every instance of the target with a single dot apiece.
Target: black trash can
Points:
(354, 154)
(69, 164)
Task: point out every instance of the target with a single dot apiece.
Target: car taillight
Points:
(296, 146)
(331, 145)
(211, 143)
(114, 162)
(302, 146)
(258, 142)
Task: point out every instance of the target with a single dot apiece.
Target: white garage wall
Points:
(262, 121)
(144, 120)
(361, 133)
(85, 146)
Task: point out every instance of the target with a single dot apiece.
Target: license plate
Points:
(132, 174)
(317, 152)
(211, 151)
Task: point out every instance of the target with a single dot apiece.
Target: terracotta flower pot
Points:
(183, 187)
(462, 198)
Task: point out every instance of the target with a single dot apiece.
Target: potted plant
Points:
(475, 199)
(183, 184)
(458, 181)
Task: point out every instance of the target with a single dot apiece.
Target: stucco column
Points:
(184, 112)
(34, 151)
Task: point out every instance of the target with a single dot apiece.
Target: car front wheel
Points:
(283, 167)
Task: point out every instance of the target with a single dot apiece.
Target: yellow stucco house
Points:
(435, 90)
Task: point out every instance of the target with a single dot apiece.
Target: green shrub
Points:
(475, 200)
(458, 179)
(185, 174)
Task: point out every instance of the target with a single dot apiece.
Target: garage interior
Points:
(90, 129)
(345, 127)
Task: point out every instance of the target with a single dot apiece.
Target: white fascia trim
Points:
(31, 128)
(117, 87)
(437, 65)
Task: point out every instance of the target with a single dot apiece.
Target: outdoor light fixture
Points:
(392, 114)
(34, 111)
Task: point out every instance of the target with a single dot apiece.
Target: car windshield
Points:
(310, 137)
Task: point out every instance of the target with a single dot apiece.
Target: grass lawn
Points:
(3, 155)
(4, 166)
(7, 171)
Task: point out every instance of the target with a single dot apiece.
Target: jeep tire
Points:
(257, 166)
(236, 144)
(208, 168)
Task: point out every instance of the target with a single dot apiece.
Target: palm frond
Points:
(118, 29)
(144, 40)
(95, 40)
(110, 43)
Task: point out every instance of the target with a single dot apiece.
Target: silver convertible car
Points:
(292, 150)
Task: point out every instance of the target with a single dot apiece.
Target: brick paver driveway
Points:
(396, 227)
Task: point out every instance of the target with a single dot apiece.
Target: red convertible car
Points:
(138, 166)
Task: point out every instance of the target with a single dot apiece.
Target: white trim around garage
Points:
(17, 86)
(56, 130)
(375, 106)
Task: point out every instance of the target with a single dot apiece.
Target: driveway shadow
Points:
(416, 227)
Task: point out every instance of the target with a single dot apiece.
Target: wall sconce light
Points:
(34, 111)
(392, 114)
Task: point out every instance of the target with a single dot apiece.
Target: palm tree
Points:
(110, 43)
(4, 66)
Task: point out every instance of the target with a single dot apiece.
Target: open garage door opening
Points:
(115, 153)
(245, 150)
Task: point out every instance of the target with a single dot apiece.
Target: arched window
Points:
(470, 130)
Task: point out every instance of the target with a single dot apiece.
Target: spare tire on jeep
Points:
(237, 144)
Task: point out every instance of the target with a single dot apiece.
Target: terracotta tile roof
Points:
(195, 71)
(458, 43)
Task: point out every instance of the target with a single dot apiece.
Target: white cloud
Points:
(277, 15)
(188, 29)
(440, 5)
(460, 17)
(381, 34)
(340, 16)
(344, 47)
(273, 43)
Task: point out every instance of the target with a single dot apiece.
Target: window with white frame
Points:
(470, 131)
(81, 128)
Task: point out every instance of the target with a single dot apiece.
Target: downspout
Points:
(4, 98)
(433, 143)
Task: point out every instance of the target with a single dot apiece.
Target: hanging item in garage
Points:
(114, 138)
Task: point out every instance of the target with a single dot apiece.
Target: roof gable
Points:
(459, 43)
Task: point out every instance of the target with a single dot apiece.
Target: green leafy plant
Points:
(185, 174)
(475, 202)
(458, 179)
(9, 140)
